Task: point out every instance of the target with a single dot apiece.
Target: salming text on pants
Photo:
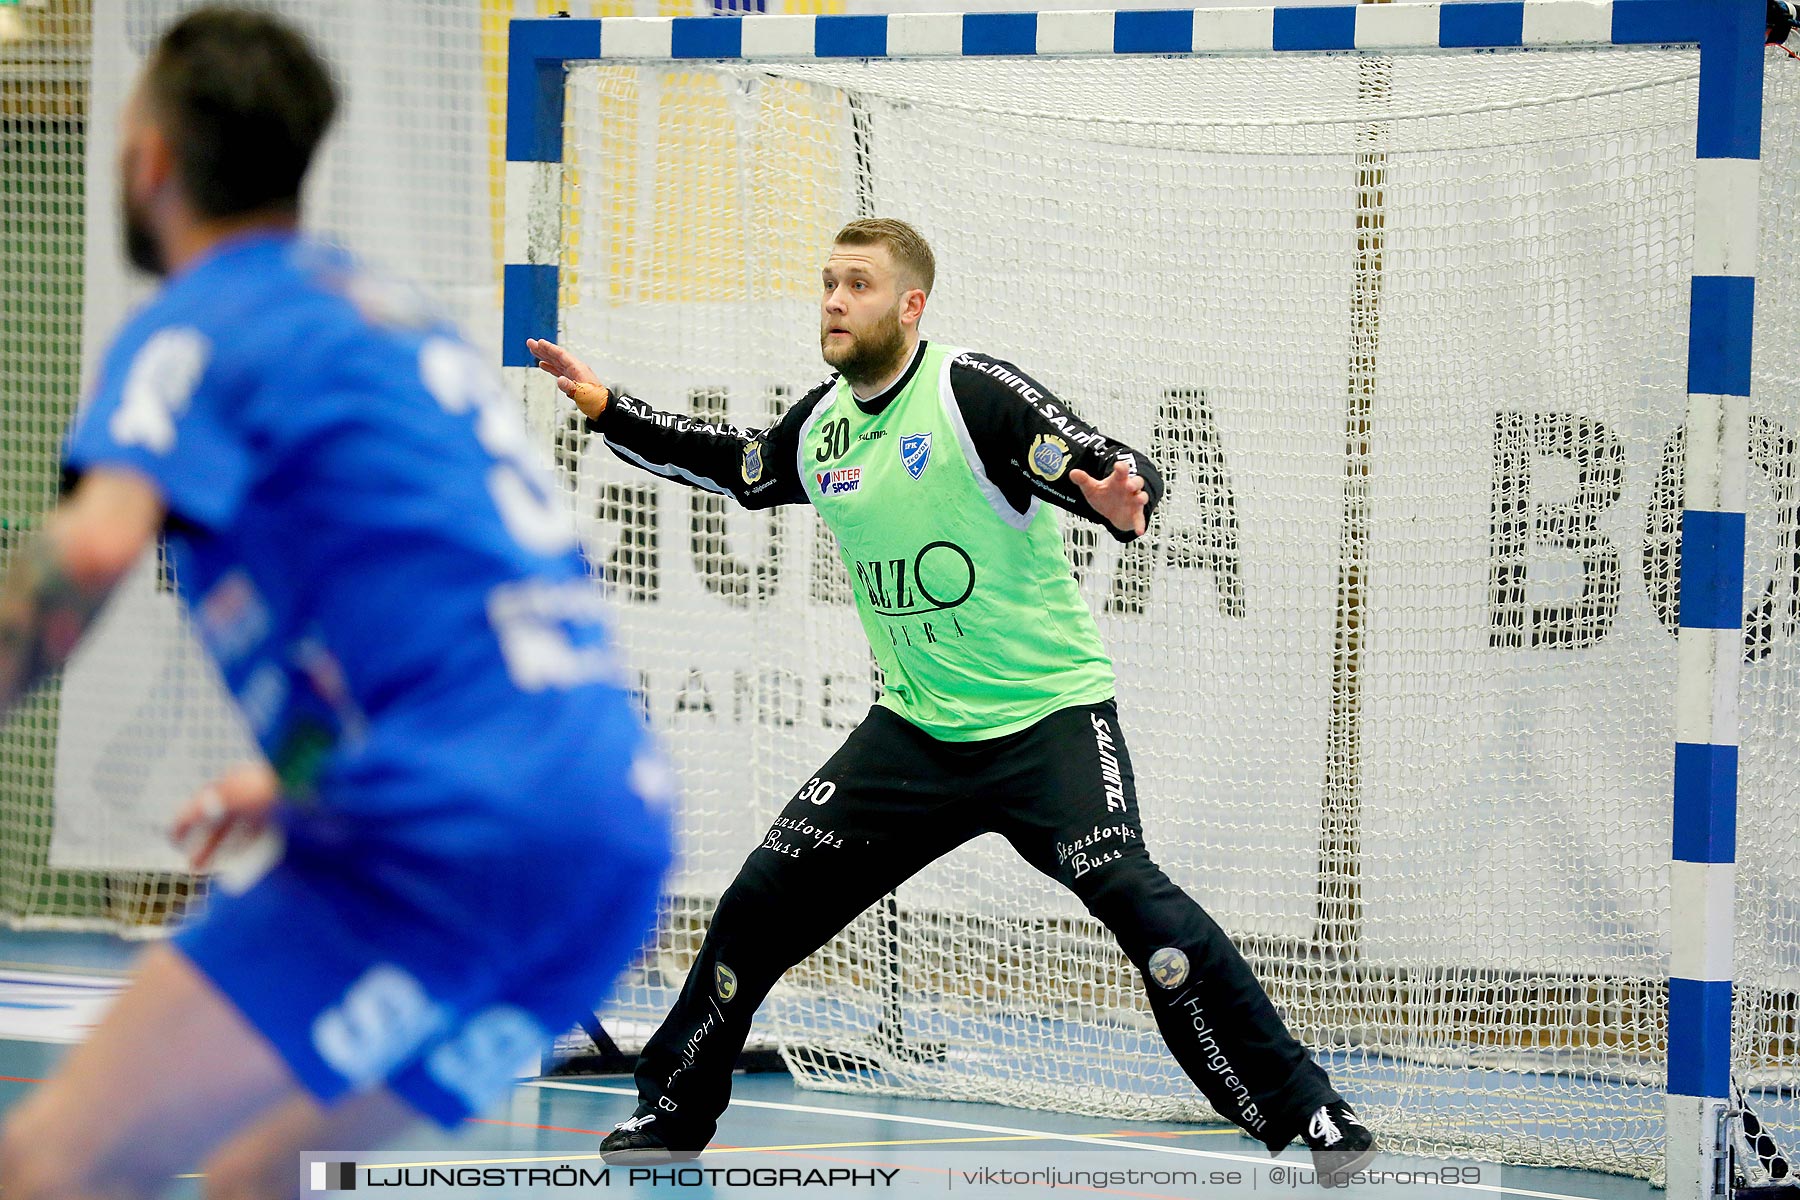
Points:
(891, 800)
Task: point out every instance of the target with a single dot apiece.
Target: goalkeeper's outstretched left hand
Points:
(1120, 497)
(573, 377)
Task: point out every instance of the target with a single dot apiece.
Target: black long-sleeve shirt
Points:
(1007, 413)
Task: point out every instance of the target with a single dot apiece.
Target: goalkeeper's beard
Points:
(870, 358)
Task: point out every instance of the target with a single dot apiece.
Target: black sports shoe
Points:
(1340, 1145)
(631, 1144)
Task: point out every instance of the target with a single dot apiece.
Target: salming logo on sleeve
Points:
(1065, 423)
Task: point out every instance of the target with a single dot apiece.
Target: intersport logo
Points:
(840, 480)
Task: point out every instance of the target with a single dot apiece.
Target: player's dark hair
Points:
(912, 254)
(244, 101)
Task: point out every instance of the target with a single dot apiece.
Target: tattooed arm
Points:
(59, 578)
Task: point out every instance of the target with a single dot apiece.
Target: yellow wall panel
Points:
(800, 184)
(695, 248)
(747, 190)
(611, 167)
(737, 197)
(494, 17)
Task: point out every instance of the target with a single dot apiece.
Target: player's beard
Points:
(871, 357)
(141, 249)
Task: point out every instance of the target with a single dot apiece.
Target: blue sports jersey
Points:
(363, 537)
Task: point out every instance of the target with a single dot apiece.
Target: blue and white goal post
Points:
(612, 246)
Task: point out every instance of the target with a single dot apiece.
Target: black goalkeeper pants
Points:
(893, 799)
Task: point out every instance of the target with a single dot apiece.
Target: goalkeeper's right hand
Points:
(573, 378)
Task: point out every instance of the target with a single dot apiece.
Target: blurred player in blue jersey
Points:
(473, 820)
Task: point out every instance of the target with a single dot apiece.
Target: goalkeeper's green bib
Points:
(970, 605)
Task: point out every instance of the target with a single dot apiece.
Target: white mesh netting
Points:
(43, 93)
(409, 177)
(1409, 337)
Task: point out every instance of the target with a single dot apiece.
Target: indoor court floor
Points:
(776, 1140)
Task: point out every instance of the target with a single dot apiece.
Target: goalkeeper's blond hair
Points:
(912, 255)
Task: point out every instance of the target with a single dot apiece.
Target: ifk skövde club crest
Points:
(915, 452)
